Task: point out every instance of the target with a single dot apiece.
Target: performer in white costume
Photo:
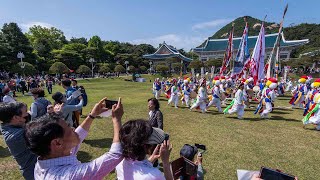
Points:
(216, 95)
(157, 88)
(174, 97)
(268, 96)
(186, 90)
(299, 93)
(202, 97)
(313, 117)
(237, 103)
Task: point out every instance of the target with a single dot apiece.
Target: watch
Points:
(90, 116)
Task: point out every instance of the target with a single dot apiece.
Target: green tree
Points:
(83, 69)
(58, 68)
(77, 47)
(28, 69)
(95, 41)
(104, 68)
(213, 62)
(196, 64)
(143, 69)
(81, 40)
(176, 66)
(46, 39)
(132, 69)
(12, 41)
(119, 69)
(71, 58)
(162, 68)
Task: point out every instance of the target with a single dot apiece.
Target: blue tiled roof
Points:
(172, 52)
(221, 44)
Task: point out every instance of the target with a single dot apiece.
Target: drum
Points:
(250, 92)
(229, 91)
(256, 89)
(193, 95)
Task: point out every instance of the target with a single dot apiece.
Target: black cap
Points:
(188, 151)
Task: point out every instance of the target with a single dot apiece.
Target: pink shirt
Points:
(69, 167)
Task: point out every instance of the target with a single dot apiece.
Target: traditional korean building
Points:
(215, 48)
(164, 52)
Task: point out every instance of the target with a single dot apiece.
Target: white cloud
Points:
(178, 41)
(211, 24)
(26, 26)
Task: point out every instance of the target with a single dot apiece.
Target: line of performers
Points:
(306, 95)
(202, 94)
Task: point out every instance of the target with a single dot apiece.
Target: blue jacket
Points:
(14, 138)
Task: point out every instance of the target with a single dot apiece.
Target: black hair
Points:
(66, 82)
(38, 91)
(40, 133)
(57, 97)
(155, 102)
(133, 135)
(8, 110)
(74, 80)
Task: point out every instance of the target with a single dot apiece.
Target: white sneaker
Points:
(239, 117)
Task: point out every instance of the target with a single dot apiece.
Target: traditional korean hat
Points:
(303, 79)
(316, 83)
(272, 83)
(222, 79)
(216, 80)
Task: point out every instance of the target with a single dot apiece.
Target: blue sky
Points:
(183, 24)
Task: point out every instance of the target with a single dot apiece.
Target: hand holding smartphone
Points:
(110, 103)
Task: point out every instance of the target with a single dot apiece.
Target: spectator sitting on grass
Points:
(139, 139)
(57, 145)
(13, 117)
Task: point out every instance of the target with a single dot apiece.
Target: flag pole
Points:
(271, 61)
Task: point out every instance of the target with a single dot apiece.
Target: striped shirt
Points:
(69, 167)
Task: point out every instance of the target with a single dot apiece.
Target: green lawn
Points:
(232, 144)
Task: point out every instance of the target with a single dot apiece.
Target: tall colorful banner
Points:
(257, 58)
(243, 54)
(228, 54)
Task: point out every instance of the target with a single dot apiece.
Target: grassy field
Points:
(232, 144)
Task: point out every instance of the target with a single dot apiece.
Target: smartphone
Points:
(110, 103)
(271, 174)
(201, 146)
(166, 137)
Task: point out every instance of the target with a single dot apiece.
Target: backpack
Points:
(41, 107)
(84, 96)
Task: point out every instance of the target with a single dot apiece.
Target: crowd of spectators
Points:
(45, 138)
